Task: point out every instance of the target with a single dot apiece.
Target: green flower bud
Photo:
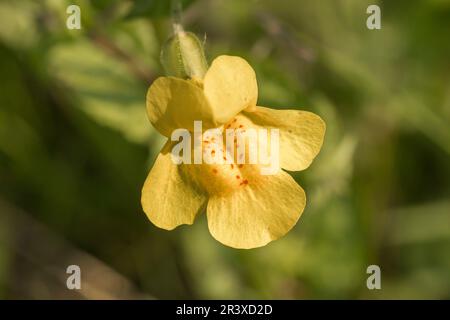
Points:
(183, 56)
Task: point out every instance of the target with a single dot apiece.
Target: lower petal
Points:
(257, 213)
(168, 198)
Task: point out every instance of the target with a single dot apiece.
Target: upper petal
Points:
(230, 87)
(257, 213)
(301, 134)
(174, 103)
(168, 197)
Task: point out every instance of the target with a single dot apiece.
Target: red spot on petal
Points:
(232, 166)
(245, 182)
(241, 126)
(214, 170)
(241, 165)
(234, 120)
(238, 177)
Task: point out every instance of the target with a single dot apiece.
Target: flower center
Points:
(225, 166)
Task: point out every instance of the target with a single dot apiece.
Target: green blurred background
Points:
(76, 146)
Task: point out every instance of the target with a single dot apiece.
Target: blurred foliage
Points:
(155, 8)
(75, 143)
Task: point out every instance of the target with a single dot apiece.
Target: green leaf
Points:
(104, 88)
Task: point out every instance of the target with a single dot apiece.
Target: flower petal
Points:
(168, 198)
(301, 134)
(258, 213)
(174, 103)
(230, 86)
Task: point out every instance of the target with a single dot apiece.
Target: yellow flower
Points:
(244, 208)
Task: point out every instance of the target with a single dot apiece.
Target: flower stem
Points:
(177, 10)
(183, 55)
